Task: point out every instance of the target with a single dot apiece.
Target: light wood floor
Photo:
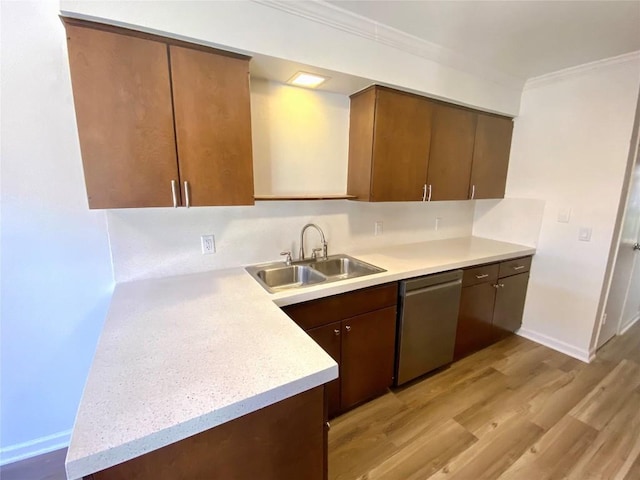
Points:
(516, 411)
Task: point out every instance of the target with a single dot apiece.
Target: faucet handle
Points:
(315, 252)
(287, 260)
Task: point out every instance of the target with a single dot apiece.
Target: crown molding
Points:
(580, 70)
(335, 17)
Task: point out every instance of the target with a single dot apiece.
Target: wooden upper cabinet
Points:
(452, 141)
(389, 141)
(404, 147)
(213, 126)
(122, 96)
(157, 117)
(491, 156)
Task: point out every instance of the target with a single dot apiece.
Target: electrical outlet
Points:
(584, 234)
(377, 228)
(208, 244)
(436, 226)
(564, 215)
(604, 319)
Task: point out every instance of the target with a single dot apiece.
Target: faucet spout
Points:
(322, 239)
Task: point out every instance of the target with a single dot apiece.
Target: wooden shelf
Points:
(262, 198)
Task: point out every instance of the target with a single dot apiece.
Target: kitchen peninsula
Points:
(189, 354)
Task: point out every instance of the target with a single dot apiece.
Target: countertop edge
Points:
(79, 468)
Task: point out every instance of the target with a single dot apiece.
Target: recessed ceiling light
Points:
(309, 80)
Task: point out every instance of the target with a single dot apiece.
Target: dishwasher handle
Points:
(433, 288)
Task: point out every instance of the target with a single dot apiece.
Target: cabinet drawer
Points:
(320, 312)
(482, 274)
(513, 267)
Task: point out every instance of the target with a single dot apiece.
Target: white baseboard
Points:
(625, 329)
(558, 345)
(32, 448)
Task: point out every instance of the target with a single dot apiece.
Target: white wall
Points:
(163, 241)
(300, 140)
(515, 220)
(56, 270)
(255, 27)
(570, 147)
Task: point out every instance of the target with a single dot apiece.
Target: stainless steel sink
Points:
(344, 267)
(291, 276)
(278, 276)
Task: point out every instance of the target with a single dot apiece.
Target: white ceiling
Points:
(521, 38)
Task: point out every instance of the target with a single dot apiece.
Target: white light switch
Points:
(437, 224)
(584, 234)
(377, 228)
(564, 215)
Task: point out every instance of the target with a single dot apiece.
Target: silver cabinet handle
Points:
(519, 267)
(473, 191)
(495, 286)
(328, 426)
(636, 246)
(174, 192)
(336, 331)
(501, 285)
(186, 194)
(484, 275)
(348, 328)
(429, 195)
(424, 192)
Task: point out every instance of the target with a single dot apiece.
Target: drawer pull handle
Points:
(484, 275)
(336, 331)
(348, 328)
(519, 267)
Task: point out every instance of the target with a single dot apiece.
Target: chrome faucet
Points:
(322, 239)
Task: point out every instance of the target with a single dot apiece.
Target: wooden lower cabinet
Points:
(475, 319)
(284, 441)
(329, 338)
(509, 305)
(358, 330)
(491, 304)
(368, 348)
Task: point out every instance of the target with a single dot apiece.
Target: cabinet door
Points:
(491, 156)
(213, 126)
(475, 319)
(329, 338)
(452, 138)
(122, 96)
(368, 345)
(510, 297)
(400, 146)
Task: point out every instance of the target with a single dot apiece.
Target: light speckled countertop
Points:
(181, 355)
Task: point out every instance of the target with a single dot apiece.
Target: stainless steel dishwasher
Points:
(427, 322)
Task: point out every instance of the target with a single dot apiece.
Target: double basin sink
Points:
(275, 277)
